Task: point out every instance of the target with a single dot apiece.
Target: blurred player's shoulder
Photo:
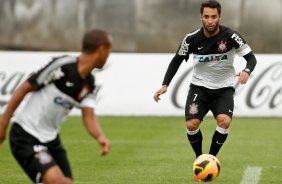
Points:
(55, 61)
(64, 59)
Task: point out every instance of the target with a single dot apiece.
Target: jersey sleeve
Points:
(88, 101)
(172, 69)
(183, 49)
(181, 54)
(46, 75)
(241, 46)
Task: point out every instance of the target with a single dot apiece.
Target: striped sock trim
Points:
(222, 130)
(192, 132)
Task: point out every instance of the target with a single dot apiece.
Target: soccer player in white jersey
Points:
(212, 86)
(64, 83)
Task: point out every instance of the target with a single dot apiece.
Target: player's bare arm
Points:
(159, 92)
(16, 99)
(93, 126)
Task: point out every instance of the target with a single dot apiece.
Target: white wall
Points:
(128, 82)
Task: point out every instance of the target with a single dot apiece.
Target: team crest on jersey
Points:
(193, 109)
(222, 46)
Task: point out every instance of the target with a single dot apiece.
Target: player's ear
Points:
(100, 49)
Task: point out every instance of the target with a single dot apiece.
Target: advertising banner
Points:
(128, 82)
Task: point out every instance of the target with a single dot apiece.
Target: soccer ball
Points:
(206, 168)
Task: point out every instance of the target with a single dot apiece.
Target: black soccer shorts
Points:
(36, 157)
(200, 100)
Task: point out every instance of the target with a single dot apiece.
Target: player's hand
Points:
(160, 92)
(105, 144)
(243, 77)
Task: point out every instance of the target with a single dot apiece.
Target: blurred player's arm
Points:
(93, 127)
(14, 102)
(250, 66)
(171, 71)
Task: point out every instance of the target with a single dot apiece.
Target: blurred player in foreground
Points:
(212, 87)
(49, 95)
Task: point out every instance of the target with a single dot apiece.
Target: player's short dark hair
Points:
(93, 39)
(211, 4)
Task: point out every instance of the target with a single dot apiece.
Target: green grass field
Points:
(155, 150)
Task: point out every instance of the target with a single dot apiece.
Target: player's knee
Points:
(223, 121)
(55, 180)
(193, 124)
(55, 176)
(60, 180)
(68, 180)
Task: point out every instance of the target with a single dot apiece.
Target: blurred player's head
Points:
(210, 15)
(99, 42)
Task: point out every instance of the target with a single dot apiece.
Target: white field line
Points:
(251, 175)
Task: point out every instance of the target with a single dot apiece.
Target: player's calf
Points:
(219, 137)
(194, 135)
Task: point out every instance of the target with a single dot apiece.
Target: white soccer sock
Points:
(222, 130)
(193, 132)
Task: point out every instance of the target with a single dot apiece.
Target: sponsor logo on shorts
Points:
(41, 154)
(39, 148)
(193, 109)
(43, 157)
(218, 142)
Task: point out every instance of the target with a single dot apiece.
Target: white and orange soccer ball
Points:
(206, 168)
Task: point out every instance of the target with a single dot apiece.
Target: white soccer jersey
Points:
(213, 57)
(58, 87)
(214, 71)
